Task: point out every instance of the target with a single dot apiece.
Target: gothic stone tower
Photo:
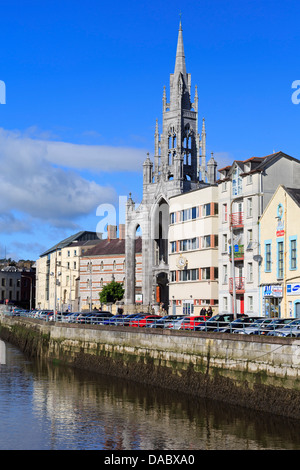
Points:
(179, 166)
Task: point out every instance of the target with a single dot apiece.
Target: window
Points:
(249, 179)
(69, 253)
(250, 272)
(225, 304)
(184, 275)
(189, 275)
(268, 263)
(206, 210)
(173, 247)
(173, 217)
(236, 182)
(249, 239)
(293, 253)
(194, 243)
(173, 276)
(183, 245)
(195, 212)
(225, 243)
(249, 207)
(194, 274)
(250, 303)
(205, 273)
(206, 241)
(224, 213)
(188, 214)
(280, 263)
(189, 244)
(74, 264)
(225, 274)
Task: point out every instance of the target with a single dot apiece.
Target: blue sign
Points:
(293, 289)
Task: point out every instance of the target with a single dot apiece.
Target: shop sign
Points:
(293, 289)
(272, 291)
(138, 298)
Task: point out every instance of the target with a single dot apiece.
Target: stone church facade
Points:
(179, 166)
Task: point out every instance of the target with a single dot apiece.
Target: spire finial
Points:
(180, 27)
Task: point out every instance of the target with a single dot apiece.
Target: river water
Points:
(50, 407)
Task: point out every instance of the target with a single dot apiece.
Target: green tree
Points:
(111, 292)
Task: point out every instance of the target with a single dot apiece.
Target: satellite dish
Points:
(257, 258)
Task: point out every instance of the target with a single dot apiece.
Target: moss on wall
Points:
(197, 372)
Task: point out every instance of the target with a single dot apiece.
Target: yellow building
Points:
(279, 255)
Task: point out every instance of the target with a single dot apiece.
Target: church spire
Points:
(180, 80)
(180, 57)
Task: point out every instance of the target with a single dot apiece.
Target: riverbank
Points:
(256, 372)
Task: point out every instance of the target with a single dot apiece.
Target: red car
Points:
(144, 320)
(191, 322)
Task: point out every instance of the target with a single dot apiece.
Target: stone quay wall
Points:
(257, 372)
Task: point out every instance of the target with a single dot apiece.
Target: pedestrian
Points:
(209, 311)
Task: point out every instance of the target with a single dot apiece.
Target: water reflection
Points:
(43, 406)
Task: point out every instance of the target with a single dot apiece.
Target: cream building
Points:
(280, 264)
(193, 251)
(245, 189)
(57, 272)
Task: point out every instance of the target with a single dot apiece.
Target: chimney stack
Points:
(122, 232)
(111, 232)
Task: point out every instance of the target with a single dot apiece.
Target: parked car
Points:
(255, 328)
(238, 323)
(190, 323)
(98, 318)
(115, 320)
(291, 329)
(143, 321)
(132, 317)
(68, 317)
(274, 325)
(218, 321)
(175, 323)
(45, 314)
(163, 321)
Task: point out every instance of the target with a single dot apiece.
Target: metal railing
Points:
(252, 326)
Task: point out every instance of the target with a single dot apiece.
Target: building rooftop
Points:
(114, 246)
(79, 238)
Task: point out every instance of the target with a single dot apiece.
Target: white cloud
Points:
(40, 179)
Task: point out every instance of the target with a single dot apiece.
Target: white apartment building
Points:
(245, 188)
(57, 272)
(193, 251)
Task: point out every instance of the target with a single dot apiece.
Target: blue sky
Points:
(84, 83)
